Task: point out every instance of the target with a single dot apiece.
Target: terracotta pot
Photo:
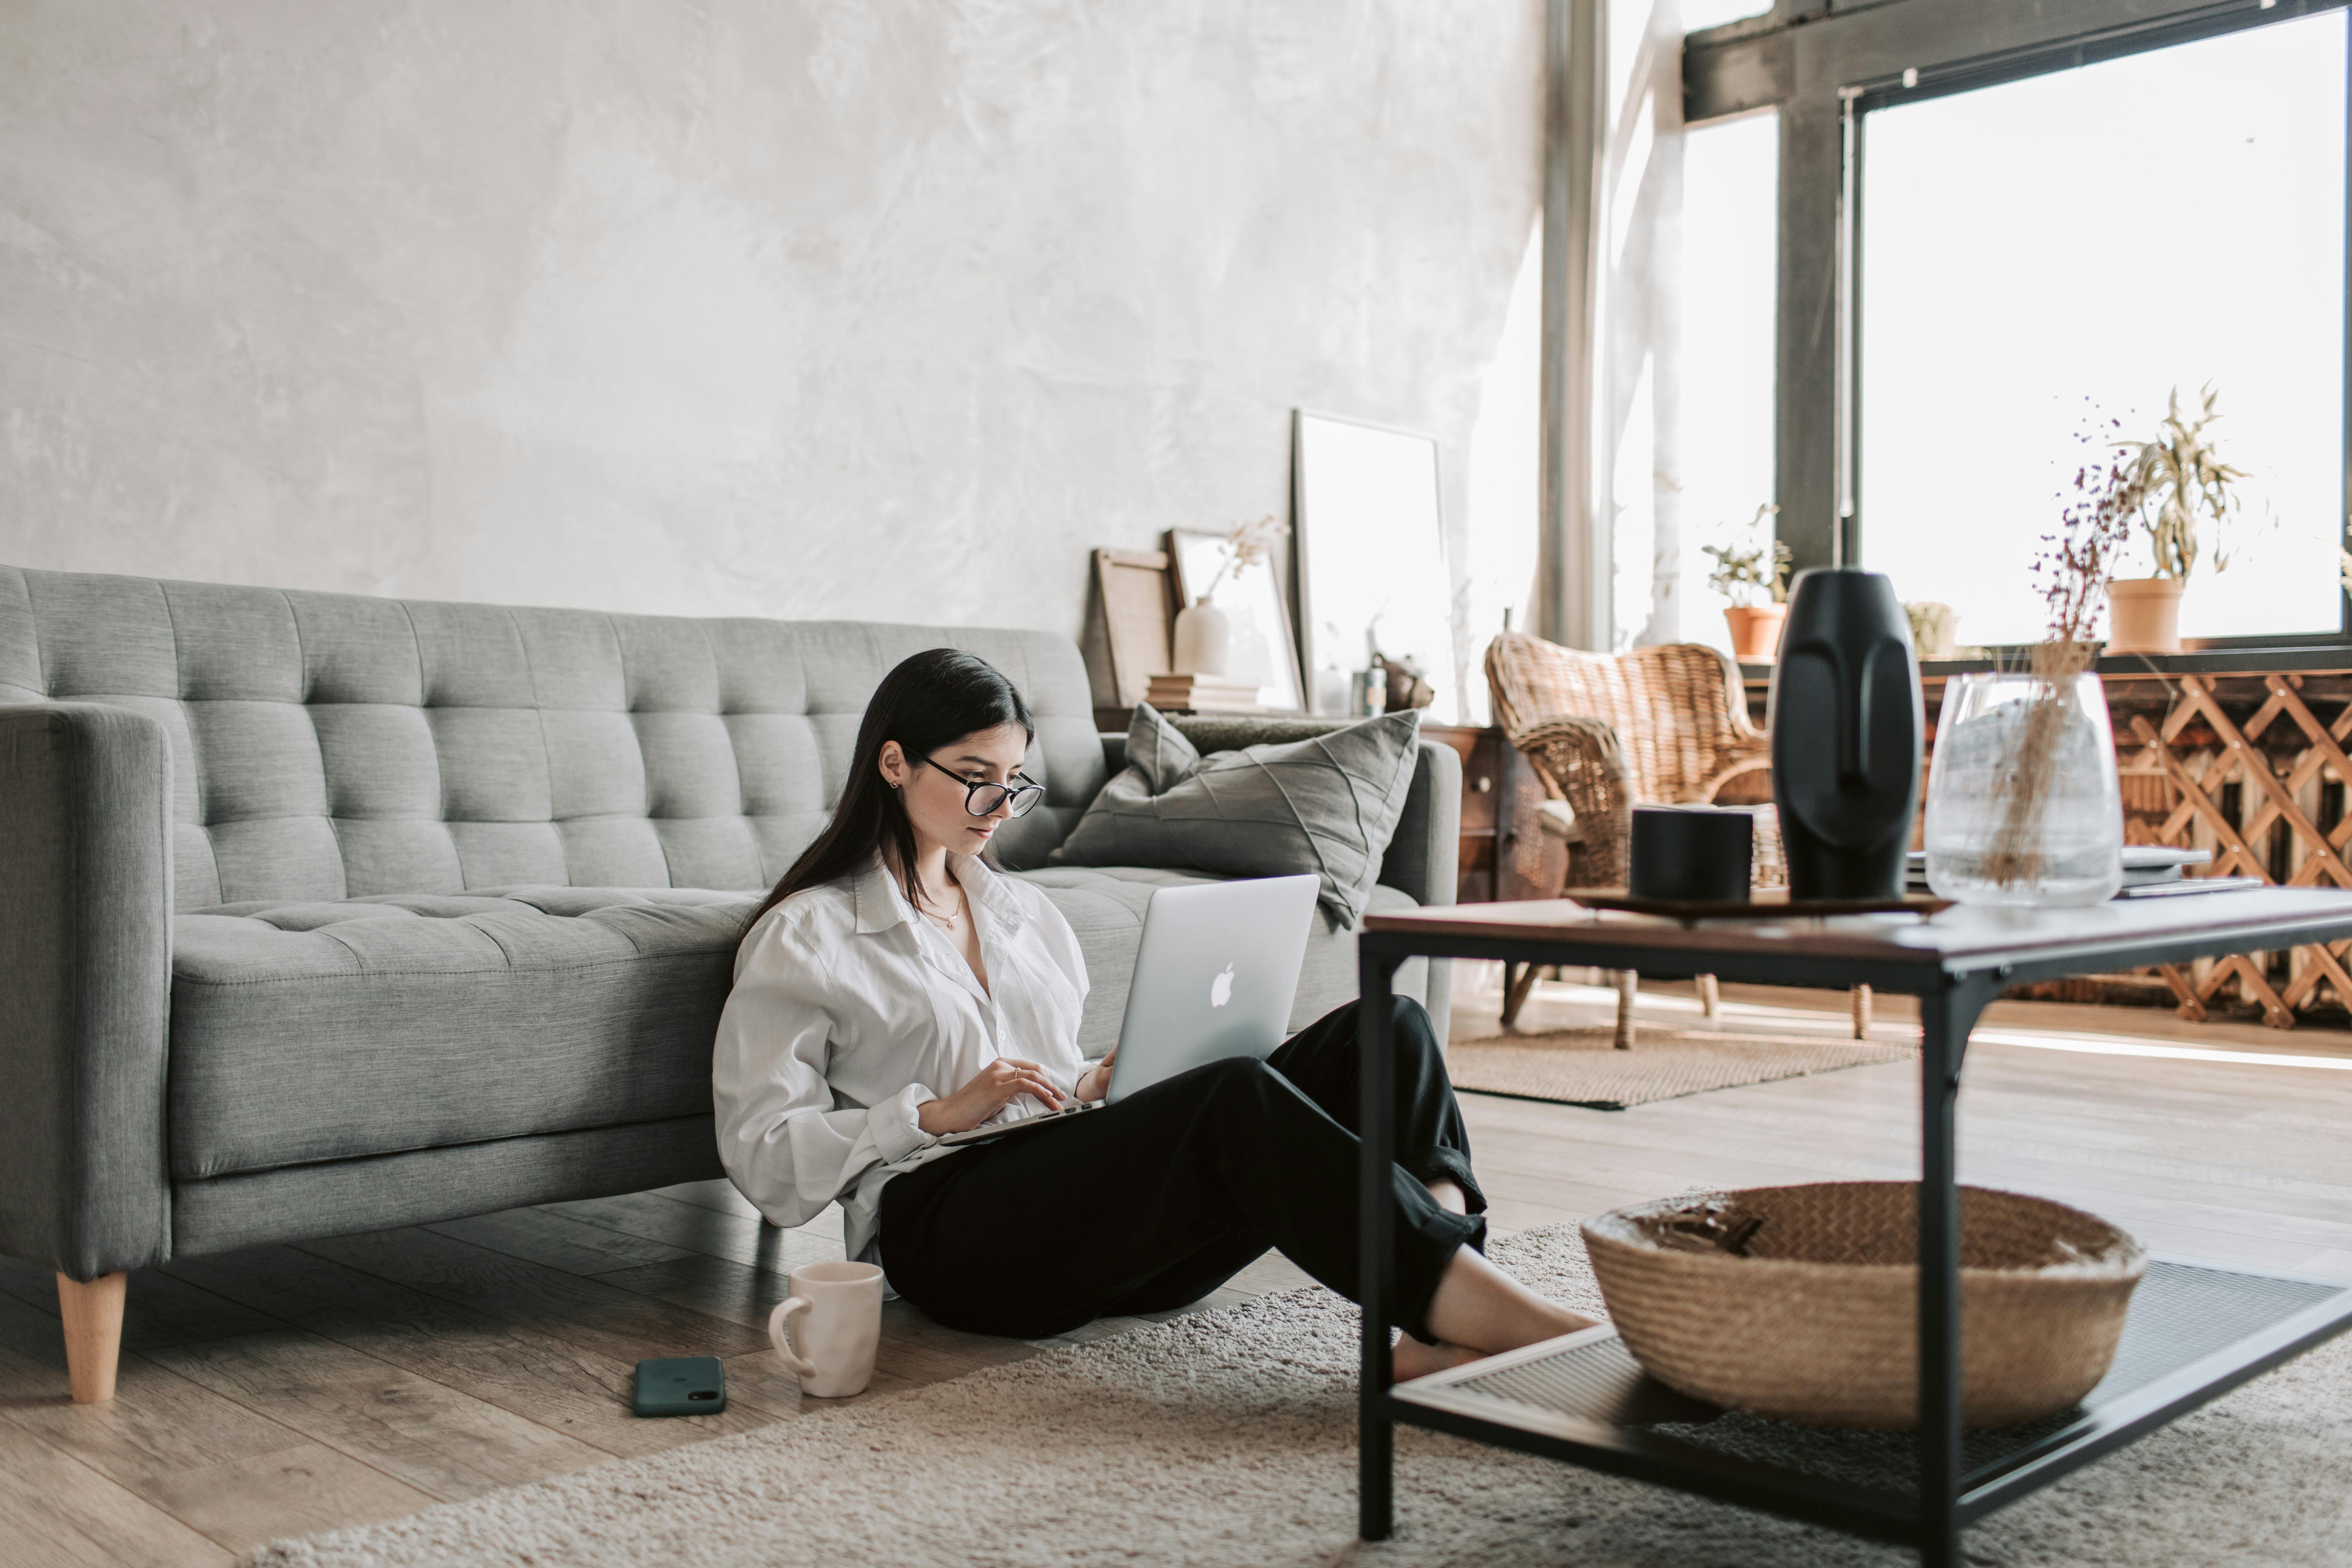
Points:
(1756, 630)
(2144, 614)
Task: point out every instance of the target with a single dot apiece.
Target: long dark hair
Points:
(934, 698)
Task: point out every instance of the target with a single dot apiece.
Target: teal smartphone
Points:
(680, 1385)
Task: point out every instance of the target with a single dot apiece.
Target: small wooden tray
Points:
(1763, 904)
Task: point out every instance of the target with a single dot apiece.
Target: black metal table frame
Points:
(1952, 993)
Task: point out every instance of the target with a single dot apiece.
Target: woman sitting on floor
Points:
(894, 988)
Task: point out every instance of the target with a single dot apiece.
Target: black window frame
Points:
(1826, 65)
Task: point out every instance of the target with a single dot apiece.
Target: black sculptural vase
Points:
(1846, 727)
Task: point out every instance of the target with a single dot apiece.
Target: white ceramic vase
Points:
(1203, 639)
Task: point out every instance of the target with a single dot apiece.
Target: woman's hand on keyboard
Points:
(1094, 1082)
(989, 1091)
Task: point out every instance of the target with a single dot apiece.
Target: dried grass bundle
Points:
(1248, 545)
(2073, 569)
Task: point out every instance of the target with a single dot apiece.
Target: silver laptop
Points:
(1214, 978)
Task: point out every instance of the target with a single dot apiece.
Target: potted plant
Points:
(1741, 574)
(2179, 488)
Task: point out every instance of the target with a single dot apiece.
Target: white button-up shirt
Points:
(850, 1010)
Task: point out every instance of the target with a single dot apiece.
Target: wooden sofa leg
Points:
(1710, 998)
(93, 1310)
(1862, 1012)
(1628, 987)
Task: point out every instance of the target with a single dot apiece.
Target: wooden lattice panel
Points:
(2201, 779)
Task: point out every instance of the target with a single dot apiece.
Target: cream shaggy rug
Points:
(1583, 1066)
(1229, 1438)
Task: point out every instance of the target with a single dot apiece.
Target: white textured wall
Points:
(873, 308)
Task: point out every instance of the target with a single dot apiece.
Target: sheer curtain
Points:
(1681, 365)
(1504, 476)
(1638, 362)
(1689, 319)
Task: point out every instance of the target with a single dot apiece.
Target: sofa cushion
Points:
(1326, 805)
(308, 1031)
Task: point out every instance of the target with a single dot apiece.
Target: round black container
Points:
(1846, 728)
(1700, 853)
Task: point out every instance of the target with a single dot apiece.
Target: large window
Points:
(2084, 242)
(1731, 189)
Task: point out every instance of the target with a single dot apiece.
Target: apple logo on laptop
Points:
(1221, 989)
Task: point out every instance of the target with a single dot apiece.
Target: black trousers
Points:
(1156, 1201)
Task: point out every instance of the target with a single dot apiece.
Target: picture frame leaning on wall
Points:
(1137, 617)
(1373, 571)
(1252, 599)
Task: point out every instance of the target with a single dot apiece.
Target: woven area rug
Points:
(1582, 1066)
(1228, 1438)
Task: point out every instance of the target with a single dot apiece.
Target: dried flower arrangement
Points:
(1740, 571)
(2077, 560)
(2179, 476)
(1247, 545)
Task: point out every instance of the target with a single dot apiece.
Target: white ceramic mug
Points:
(827, 1328)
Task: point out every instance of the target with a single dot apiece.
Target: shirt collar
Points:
(988, 891)
(881, 903)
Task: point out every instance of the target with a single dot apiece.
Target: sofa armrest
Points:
(85, 986)
(1424, 855)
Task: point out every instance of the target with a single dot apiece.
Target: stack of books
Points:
(1202, 694)
(2150, 870)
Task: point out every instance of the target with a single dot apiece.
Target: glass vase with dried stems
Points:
(2024, 806)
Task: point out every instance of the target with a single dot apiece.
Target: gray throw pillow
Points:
(1326, 805)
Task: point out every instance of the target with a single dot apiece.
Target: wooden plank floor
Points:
(2234, 1160)
(284, 1390)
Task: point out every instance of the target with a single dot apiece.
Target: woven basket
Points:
(1801, 1303)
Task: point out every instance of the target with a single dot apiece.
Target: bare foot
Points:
(1414, 1358)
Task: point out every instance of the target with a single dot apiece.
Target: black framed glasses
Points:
(982, 796)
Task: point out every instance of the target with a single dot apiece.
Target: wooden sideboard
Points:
(1505, 855)
(2241, 751)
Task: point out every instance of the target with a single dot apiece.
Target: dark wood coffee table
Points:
(2196, 1331)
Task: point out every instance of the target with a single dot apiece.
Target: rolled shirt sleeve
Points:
(788, 1144)
(894, 1125)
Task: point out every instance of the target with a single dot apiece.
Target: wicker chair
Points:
(1656, 726)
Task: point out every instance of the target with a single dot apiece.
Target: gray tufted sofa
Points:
(321, 913)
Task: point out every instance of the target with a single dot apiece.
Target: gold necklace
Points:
(946, 921)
